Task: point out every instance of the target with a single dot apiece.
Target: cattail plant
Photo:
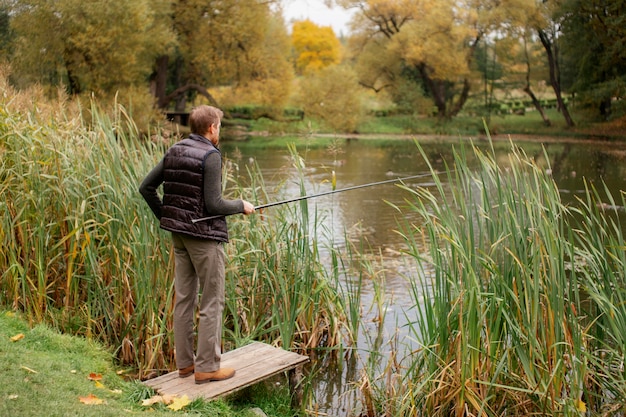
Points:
(518, 298)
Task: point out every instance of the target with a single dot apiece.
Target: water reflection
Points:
(370, 214)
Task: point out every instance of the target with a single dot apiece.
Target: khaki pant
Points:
(199, 265)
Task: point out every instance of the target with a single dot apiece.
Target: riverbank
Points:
(405, 127)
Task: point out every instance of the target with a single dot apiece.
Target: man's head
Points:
(206, 121)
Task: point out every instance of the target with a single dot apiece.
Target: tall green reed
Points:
(80, 248)
(281, 287)
(83, 251)
(498, 307)
(600, 263)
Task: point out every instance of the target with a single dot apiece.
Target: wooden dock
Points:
(252, 363)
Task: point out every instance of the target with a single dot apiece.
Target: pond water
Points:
(368, 213)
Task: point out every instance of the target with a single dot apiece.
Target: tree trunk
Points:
(181, 99)
(73, 82)
(537, 104)
(458, 106)
(462, 99)
(555, 74)
(605, 108)
(437, 90)
(440, 89)
(160, 81)
(72, 79)
(527, 89)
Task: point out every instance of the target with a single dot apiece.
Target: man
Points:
(191, 174)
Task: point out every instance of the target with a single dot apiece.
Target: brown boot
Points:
(219, 375)
(185, 372)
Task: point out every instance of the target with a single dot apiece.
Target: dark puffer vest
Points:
(183, 192)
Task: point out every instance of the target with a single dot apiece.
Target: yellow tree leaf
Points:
(158, 399)
(316, 47)
(91, 400)
(17, 337)
(152, 400)
(179, 403)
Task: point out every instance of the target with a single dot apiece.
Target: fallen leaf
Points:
(91, 400)
(581, 406)
(13, 397)
(94, 377)
(159, 399)
(179, 403)
(17, 337)
(26, 368)
(152, 400)
(99, 385)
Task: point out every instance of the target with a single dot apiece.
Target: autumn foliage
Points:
(315, 47)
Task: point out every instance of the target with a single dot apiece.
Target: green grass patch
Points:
(463, 125)
(45, 372)
(49, 371)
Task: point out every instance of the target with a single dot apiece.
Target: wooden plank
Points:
(252, 363)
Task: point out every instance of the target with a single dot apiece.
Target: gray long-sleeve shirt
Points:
(215, 204)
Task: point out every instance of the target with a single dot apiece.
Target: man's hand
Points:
(248, 208)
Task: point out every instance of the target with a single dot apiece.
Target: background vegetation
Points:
(523, 309)
(421, 58)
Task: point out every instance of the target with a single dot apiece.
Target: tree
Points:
(219, 42)
(180, 48)
(268, 85)
(97, 45)
(547, 23)
(490, 67)
(5, 33)
(527, 86)
(593, 46)
(315, 47)
(433, 39)
(332, 95)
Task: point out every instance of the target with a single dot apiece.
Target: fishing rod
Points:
(306, 197)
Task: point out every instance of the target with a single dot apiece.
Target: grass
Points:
(49, 371)
(46, 370)
(463, 125)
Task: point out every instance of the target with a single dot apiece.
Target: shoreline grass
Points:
(46, 370)
(529, 124)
